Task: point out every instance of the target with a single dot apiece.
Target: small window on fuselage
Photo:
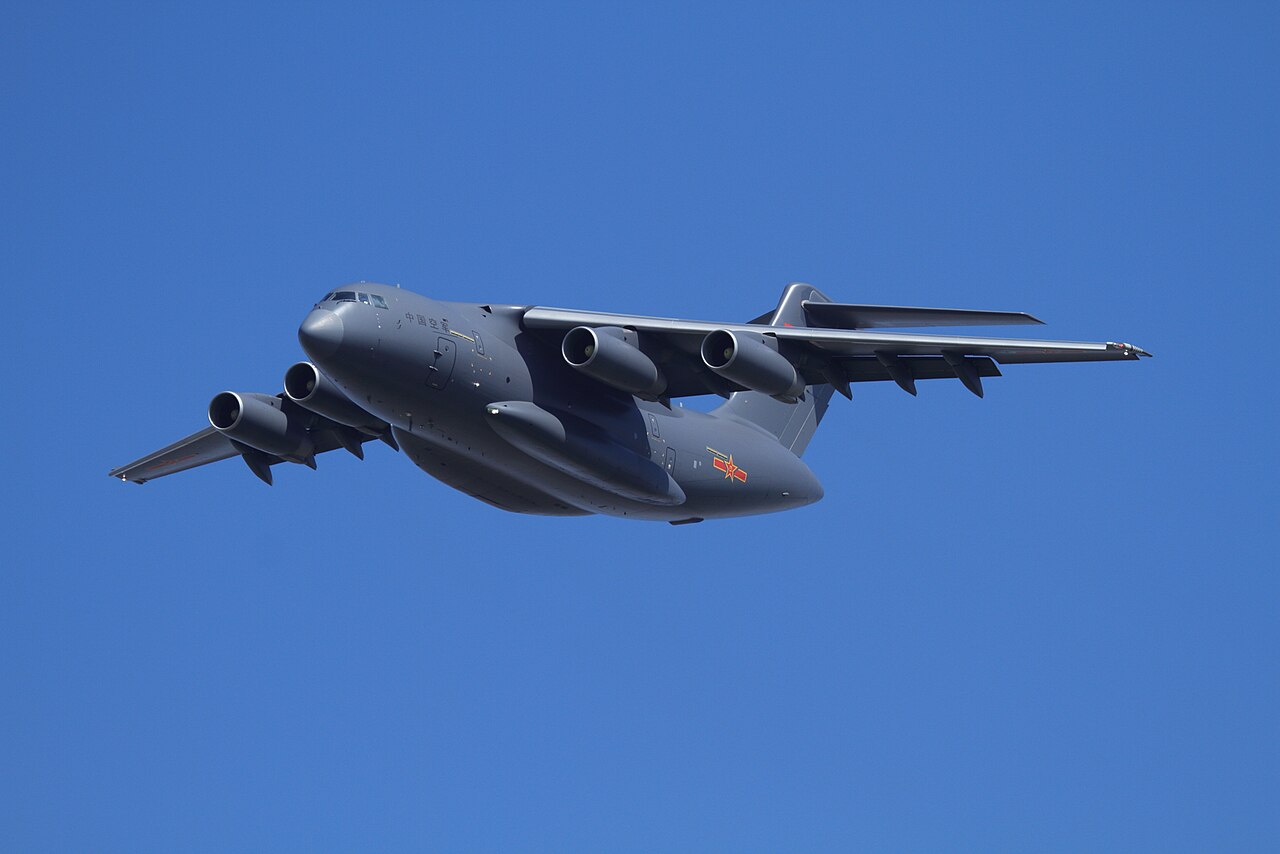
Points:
(378, 301)
(364, 298)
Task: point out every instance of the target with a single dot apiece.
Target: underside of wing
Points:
(198, 449)
(907, 369)
(1003, 350)
(211, 446)
(835, 355)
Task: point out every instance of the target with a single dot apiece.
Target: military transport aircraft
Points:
(567, 413)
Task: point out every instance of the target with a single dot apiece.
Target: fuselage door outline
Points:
(441, 367)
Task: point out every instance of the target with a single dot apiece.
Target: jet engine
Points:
(752, 361)
(612, 356)
(312, 390)
(260, 422)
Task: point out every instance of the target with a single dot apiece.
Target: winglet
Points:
(1128, 348)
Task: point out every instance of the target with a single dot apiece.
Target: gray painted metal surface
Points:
(564, 413)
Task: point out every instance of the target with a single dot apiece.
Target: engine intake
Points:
(612, 355)
(312, 390)
(752, 361)
(259, 421)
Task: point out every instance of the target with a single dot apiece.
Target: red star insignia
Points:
(729, 468)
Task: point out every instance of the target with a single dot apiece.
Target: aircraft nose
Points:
(321, 334)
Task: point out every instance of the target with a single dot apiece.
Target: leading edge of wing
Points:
(841, 342)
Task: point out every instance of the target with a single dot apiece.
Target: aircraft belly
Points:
(481, 481)
(490, 469)
(577, 448)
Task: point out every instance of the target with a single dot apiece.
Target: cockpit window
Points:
(356, 296)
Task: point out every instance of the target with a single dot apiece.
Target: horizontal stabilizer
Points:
(837, 315)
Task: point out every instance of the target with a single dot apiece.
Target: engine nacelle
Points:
(752, 361)
(313, 391)
(259, 421)
(612, 356)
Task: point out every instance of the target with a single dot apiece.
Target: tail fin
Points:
(793, 423)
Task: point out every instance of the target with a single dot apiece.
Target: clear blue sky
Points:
(1047, 620)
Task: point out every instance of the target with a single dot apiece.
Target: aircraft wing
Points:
(207, 446)
(840, 356)
(210, 446)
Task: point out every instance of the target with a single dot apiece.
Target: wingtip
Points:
(1129, 349)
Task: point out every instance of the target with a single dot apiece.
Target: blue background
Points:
(1046, 620)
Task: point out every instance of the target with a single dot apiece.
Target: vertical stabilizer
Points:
(793, 423)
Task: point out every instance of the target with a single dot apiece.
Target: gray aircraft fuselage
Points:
(444, 375)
